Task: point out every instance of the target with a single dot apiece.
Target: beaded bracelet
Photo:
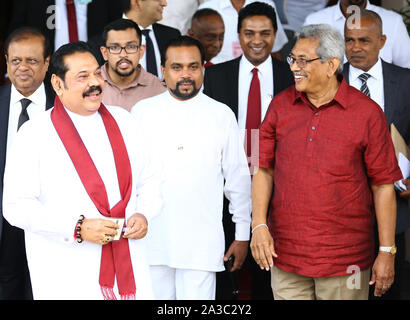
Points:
(78, 229)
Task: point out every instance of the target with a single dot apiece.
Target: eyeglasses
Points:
(301, 63)
(130, 48)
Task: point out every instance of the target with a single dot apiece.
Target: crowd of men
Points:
(242, 151)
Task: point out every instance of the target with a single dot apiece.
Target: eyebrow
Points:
(118, 44)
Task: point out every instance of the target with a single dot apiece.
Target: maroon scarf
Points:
(115, 257)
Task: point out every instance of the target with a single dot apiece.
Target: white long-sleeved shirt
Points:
(43, 195)
(396, 50)
(199, 144)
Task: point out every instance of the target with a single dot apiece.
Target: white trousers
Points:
(182, 284)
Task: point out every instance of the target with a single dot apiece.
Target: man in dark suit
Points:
(388, 85)
(146, 13)
(247, 85)
(43, 14)
(27, 56)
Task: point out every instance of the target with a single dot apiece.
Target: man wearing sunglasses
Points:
(126, 81)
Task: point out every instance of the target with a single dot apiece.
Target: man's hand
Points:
(262, 248)
(137, 227)
(238, 249)
(100, 231)
(382, 273)
(406, 194)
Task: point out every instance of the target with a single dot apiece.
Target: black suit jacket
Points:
(164, 34)
(396, 84)
(221, 81)
(5, 92)
(34, 13)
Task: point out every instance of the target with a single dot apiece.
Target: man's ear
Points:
(104, 52)
(57, 84)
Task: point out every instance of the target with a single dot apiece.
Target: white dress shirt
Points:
(178, 14)
(36, 107)
(265, 75)
(397, 47)
(231, 48)
(375, 83)
(199, 145)
(61, 34)
(44, 195)
(143, 60)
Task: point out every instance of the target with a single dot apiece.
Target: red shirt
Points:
(324, 161)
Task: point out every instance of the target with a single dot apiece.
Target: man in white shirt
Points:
(387, 85)
(203, 159)
(229, 10)
(397, 47)
(27, 58)
(146, 13)
(87, 178)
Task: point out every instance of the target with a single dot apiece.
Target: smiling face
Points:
(152, 9)
(26, 66)
(257, 37)
(81, 90)
(314, 76)
(364, 44)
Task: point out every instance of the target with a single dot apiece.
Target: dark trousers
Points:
(400, 290)
(14, 274)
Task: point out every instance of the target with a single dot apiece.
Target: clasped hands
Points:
(102, 231)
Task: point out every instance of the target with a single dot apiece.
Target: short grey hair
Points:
(331, 42)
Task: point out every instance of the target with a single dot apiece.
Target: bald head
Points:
(208, 28)
(364, 39)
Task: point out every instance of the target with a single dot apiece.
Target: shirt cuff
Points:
(242, 231)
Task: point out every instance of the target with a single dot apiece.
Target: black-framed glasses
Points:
(129, 48)
(301, 63)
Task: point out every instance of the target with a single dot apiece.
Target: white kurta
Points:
(199, 144)
(44, 196)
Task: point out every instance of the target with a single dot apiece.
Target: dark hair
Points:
(121, 24)
(257, 9)
(25, 33)
(182, 41)
(57, 64)
(206, 12)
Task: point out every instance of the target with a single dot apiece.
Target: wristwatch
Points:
(392, 250)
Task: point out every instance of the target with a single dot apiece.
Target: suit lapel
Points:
(389, 83)
(4, 124)
(233, 79)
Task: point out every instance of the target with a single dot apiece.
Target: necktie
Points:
(364, 88)
(72, 21)
(150, 53)
(208, 64)
(23, 114)
(253, 115)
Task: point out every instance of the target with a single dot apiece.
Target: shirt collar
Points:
(341, 96)
(226, 4)
(337, 12)
(37, 97)
(376, 71)
(263, 68)
(124, 16)
(141, 80)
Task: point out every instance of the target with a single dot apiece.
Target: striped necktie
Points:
(364, 88)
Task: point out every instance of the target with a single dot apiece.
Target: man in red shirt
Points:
(326, 154)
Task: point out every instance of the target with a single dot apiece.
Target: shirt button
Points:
(310, 140)
(313, 128)
(317, 114)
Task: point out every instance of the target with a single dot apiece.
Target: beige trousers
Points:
(292, 286)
